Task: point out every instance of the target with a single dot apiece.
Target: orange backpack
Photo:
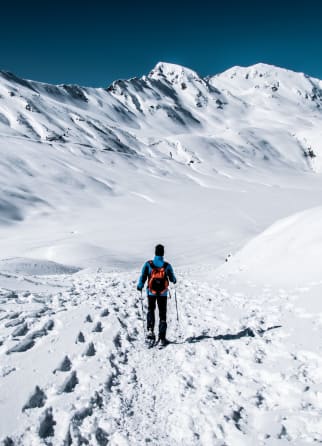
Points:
(158, 280)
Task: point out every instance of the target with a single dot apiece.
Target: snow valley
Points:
(91, 179)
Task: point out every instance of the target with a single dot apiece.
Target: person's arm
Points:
(143, 277)
(170, 274)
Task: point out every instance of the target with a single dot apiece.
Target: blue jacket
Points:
(146, 271)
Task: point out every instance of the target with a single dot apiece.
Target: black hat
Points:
(159, 250)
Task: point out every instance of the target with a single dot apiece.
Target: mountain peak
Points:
(172, 72)
(259, 70)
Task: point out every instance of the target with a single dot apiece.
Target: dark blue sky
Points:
(93, 43)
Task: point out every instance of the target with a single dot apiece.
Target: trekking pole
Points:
(175, 297)
(142, 315)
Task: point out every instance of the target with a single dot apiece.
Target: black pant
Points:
(162, 306)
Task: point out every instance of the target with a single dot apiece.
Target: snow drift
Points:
(288, 253)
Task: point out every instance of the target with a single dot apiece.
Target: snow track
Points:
(232, 374)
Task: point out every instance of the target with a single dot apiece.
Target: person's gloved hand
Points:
(139, 288)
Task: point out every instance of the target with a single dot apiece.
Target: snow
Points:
(289, 253)
(221, 168)
(236, 372)
(174, 73)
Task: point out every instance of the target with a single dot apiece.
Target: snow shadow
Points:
(246, 333)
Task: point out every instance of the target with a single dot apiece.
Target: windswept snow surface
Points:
(90, 180)
(288, 253)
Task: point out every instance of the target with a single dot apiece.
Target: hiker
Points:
(158, 272)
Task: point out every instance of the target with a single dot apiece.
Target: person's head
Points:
(159, 250)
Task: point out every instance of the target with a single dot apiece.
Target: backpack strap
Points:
(152, 265)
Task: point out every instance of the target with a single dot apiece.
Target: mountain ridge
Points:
(168, 67)
(169, 124)
(170, 100)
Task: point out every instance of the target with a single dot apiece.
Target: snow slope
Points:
(288, 253)
(78, 164)
(90, 180)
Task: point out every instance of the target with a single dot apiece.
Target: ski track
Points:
(230, 376)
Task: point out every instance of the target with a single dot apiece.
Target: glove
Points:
(139, 288)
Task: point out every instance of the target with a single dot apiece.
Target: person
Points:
(158, 272)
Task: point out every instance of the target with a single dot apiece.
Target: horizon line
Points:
(13, 74)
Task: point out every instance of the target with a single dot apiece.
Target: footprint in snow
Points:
(64, 366)
(90, 350)
(70, 383)
(21, 330)
(116, 308)
(98, 327)
(81, 414)
(14, 323)
(283, 433)
(238, 418)
(229, 376)
(74, 434)
(48, 326)
(14, 315)
(22, 346)
(37, 399)
(259, 399)
(117, 341)
(80, 337)
(88, 318)
(101, 436)
(47, 423)
(105, 313)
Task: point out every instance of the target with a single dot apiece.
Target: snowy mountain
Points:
(173, 101)
(226, 172)
(68, 151)
(249, 108)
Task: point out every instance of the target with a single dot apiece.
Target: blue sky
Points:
(93, 43)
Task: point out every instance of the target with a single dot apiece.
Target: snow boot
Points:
(150, 335)
(162, 330)
(164, 342)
